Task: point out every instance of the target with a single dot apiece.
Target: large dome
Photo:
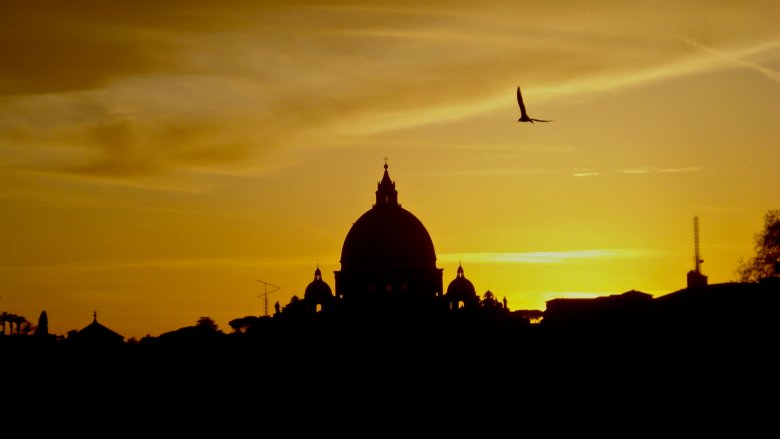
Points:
(388, 236)
(388, 249)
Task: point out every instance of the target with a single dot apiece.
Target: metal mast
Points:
(696, 256)
(265, 294)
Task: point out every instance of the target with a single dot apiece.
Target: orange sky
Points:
(158, 158)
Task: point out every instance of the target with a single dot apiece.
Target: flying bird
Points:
(523, 114)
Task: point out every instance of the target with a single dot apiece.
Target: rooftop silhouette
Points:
(390, 323)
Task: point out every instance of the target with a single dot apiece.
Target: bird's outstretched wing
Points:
(520, 102)
(523, 114)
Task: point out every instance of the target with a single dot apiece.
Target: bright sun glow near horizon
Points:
(159, 158)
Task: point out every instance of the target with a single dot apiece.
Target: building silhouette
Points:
(391, 333)
(389, 294)
(389, 281)
(388, 254)
(318, 295)
(95, 335)
(461, 292)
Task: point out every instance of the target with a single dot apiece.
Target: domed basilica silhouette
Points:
(388, 266)
(388, 250)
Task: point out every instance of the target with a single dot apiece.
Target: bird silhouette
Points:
(523, 114)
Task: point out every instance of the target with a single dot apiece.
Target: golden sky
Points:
(159, 157)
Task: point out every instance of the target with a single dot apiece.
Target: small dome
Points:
(460, 286)
(318, 291)
(461, 290)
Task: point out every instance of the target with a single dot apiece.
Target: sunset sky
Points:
(158, 158)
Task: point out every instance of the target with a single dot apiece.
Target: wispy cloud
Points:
(651, 170)
(636, 171)
(585, 173)
(724, 209)
(739, 58)
(548, 257)
(154, 87)
(485, 172)
(163, 263)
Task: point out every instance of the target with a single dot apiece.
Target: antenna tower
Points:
(265, 294)
(696, 256)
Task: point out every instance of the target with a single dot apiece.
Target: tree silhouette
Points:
(43, 325)
(764, 263)
(26, 327)
(14, 319)
(206, 323)
(243, 324)
(489, 300)
(4, 318)
(296, 307)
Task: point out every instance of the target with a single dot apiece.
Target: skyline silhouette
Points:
(158, 159)
(389, 272)
(390, 331)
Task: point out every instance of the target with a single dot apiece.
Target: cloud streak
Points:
(549, 257)
(149, 88)
(738, 58)
(654, 170)
(637, 171)
(87, 266)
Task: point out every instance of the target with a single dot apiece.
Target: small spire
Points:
(317, 273)
(94, 316)
(386, 195)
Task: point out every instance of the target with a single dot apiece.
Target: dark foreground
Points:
(668, 373)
